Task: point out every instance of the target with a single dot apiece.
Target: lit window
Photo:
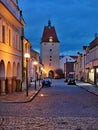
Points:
(50, 39)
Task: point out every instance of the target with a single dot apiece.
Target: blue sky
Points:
(75, 21)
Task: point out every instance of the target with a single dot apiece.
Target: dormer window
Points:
(50, 39)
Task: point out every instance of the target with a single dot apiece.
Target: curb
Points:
(88, 90)
(26, 101)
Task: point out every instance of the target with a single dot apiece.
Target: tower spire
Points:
(49, 23)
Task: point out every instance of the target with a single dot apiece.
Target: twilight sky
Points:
(75, 21)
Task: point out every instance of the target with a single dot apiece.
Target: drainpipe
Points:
(95, 75)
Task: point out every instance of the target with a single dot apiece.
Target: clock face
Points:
(50, 39)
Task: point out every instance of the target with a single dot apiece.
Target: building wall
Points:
(86, 67)
(64, 60)
(69, 69)
(92, 65)
(50, 56)
(12, 5)
(10, 47)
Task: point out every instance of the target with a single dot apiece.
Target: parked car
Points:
(71, 81)
(47, 82)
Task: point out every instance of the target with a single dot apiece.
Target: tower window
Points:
(50, 39)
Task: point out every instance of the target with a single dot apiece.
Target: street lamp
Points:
(27, 56)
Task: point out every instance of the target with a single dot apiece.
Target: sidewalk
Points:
(88, 87)
(20, 97)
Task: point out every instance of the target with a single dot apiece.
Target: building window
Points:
(50, 59)
(17, 41)
(3, 34)
(50, 39)
(50, 49)
(9, 37)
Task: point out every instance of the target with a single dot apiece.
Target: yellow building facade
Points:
(11, 26)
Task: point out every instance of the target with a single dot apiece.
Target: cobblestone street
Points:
(60, 107)
(48, 65)
(49, 123)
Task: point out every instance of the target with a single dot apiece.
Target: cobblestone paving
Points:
(50, 123)
(60, 107)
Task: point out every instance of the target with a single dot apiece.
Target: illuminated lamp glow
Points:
(27, 55)
(42, 95)
(92, 70)
(35, 62)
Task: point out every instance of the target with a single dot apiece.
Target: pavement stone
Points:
(50, 123)
(20, 97)
(44, 123)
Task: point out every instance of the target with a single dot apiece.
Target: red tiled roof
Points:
(49, 32)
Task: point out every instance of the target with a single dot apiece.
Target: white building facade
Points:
(49, 49)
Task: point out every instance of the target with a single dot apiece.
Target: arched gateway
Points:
(51, 74)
